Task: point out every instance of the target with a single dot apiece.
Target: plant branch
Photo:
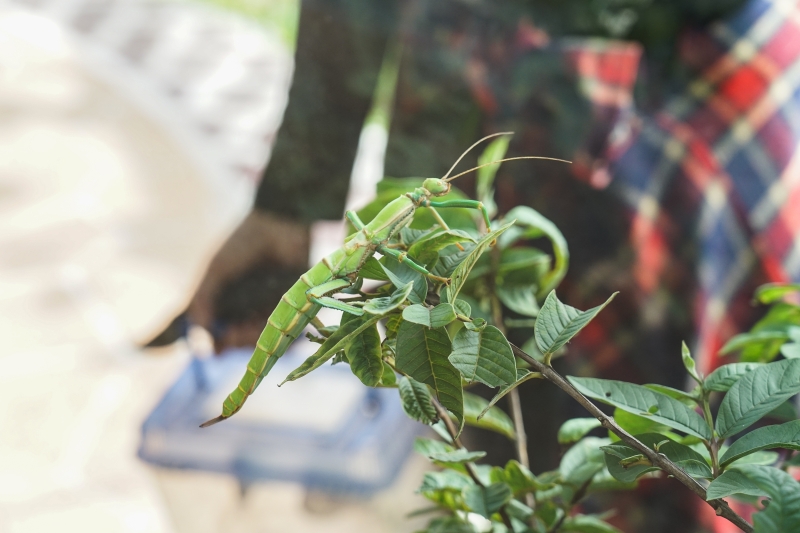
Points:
(720, 506)
(444, 416)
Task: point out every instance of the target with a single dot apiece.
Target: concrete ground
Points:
(108, 213)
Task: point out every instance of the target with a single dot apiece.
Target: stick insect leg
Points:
(319, 295)
(354, 220)
(470, 204)
(403, 258)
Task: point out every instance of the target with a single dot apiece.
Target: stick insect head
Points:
(441, 186)
(436, 186)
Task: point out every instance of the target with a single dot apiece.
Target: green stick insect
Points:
(340, 270)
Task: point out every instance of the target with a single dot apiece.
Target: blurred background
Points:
(132, 134)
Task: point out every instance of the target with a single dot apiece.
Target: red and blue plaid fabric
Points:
(715, 169)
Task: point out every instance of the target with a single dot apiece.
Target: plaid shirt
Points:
(714, 171)
(706, 174)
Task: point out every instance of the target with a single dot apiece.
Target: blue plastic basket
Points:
(325, 431)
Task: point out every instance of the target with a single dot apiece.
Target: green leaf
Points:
(558, 323)
(683, 397)
(520, 299)
(583, 460)
(772, 292)
(436, 317)
(409, 236)
(782, 515)
(536, 226)
(493, 418)
(531, 348)
(734, 481)
(756, 394)
(337, 342)
(686, 458)
(444, 480)
(519, 511)
(522, 264)
(461, 272)
(372, 269)
(339, 358)
(603, 481)
(523, 375)
(782, 317)
(635, 424)
(422, 354)
(785, 412)
(587, 524)
(388, 377)
(485, 176)
(416, 400)
(463, 308)
(448, 262)
(520, 478)
(723, 378)
(575, 429)
(364, 354)
(642, 401)
(383, 305)
(757, 341)
(484, 356)
(487, 500)
(786, 436)
(792, 350)
(449, 524)
(400, 274)
(476, 324)
(756, 458)
(426, 447)
(456, 456)
(688, 363)
(426, 249)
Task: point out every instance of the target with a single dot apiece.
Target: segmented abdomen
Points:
(284, 325)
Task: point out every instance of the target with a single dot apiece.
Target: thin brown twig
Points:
(661, 461)
(513, 396)
(444, 416)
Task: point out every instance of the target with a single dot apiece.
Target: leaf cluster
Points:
(433, 341)
(681, 425)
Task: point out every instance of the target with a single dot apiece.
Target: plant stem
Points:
(661, 461)
(513, 396)
(522, 437)
(444, 416)
(713, 444)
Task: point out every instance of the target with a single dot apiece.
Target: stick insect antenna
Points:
(451, 178)
(476, 143)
